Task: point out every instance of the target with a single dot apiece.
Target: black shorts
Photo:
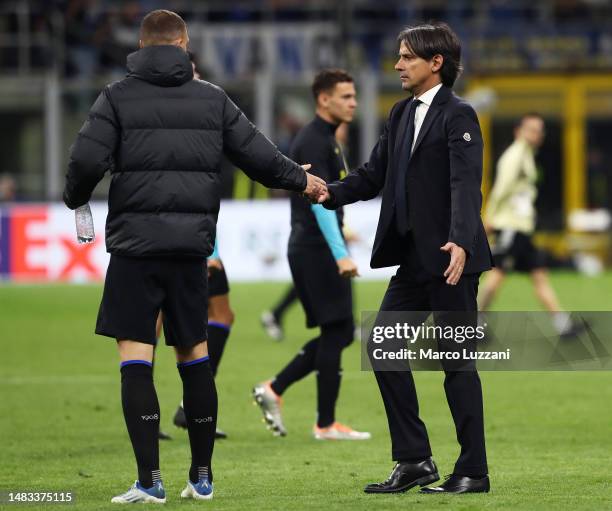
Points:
(514, 250)
(326, 296)
(136, 289)
(217, 283)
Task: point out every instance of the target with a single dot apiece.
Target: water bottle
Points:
(84, 224)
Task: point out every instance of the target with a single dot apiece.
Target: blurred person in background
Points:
(510, 218)
(82, 18)
(162, 134)
(8, 188)
(272, 320)
(115, 35)
(321, 268)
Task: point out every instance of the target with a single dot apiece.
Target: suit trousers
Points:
(414, 289)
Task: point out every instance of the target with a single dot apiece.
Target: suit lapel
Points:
(434, 110)
(430, 116)
(401, 131)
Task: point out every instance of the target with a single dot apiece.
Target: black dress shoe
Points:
(461, 484)
(406, 476)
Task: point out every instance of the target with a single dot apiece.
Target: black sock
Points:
(141, 412)
(217, 337)
(334, 338)
(289, 297)
(301, 365)
(200, 404)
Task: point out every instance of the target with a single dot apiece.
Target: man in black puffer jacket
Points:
(162, 134)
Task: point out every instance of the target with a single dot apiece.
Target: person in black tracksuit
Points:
(320, 266)
(162, 134)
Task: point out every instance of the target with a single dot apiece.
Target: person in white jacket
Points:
(510, 219)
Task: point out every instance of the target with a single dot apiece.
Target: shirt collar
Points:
(328, 126)
(428, 96)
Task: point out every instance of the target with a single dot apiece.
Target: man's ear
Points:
(436, 63)
(184, 42)
(323, 99)
(140, 43)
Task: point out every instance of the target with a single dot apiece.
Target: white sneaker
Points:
(271, 326)
(136, 494)
(339, 431)
(202, 490)
(270, 405)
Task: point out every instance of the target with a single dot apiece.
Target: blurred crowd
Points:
(87, 42)
(90, 36)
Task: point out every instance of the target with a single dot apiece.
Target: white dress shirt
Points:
(421, 111)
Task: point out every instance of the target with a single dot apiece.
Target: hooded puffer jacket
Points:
(161, 133)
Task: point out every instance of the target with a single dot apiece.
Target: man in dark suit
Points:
(428, 164)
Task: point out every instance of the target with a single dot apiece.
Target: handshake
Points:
(316, 189)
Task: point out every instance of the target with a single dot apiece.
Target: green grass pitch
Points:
(61, 428)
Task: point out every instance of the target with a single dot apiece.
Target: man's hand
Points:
(214, 265)
(325, 196)
(457, 262)
(315, 186)
(347, 268)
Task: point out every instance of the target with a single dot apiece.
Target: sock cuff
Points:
(192, 362)
(222, 326)
(136, 361)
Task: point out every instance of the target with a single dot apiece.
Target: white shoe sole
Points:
(147, 500)
(320, 437)
(271, 326)
(190, 493)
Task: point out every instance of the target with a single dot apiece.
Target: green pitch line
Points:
(61, 428)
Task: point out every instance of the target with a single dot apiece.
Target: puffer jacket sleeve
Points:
(92, 154)
(257, 156)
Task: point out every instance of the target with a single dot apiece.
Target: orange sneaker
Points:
(338, 431)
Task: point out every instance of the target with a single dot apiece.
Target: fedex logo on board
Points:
(38, 243)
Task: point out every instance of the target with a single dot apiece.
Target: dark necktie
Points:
(401, 196)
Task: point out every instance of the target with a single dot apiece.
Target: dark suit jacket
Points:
(443, 185)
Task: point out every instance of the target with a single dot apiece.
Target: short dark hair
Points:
(326, 79)
(431, 39)
(528, 115)
(161, 27)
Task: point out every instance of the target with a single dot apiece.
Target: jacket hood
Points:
(167, 66)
